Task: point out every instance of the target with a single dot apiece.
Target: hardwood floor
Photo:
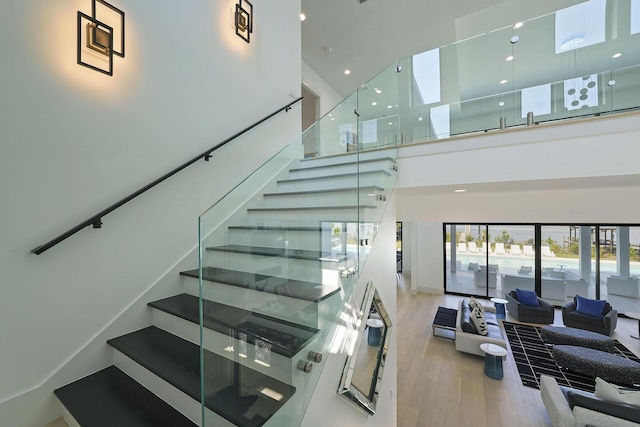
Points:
(439, 386)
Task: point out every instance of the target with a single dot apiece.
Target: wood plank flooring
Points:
(439, 386)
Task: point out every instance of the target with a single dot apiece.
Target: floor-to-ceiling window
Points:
(599, 261)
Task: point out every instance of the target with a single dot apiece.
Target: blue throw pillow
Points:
(592, 307)
(527, 297)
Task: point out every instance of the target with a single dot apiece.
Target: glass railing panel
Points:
(279, 256)
(335, 133)
(624, 87)
(378, 110)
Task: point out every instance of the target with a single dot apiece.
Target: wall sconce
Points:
(244, 21)
(100, 36)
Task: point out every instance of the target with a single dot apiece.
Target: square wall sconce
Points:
(100, 36)
(244, 20)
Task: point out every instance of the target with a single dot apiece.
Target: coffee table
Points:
(493, 360)
(636, 316)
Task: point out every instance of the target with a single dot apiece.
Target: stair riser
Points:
(334, 182)
(323, 199)
(340, 169)
(334, 215)
(279, 238)
(180, 401)
(348, 158)
(293, 310)
(311, 271)
(280, 366)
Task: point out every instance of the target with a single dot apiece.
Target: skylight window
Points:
(426, 75)
(635, 16)
(440, 121)
(580, 25)
(536, 99)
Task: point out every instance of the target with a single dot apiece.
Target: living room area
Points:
(441, 386)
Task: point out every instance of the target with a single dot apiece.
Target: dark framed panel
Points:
(95, 40)
(113, 17)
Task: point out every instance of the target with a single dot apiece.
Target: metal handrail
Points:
(96, 220)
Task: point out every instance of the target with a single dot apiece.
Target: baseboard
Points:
(430, 290)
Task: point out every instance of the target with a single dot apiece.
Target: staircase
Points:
(274, 272)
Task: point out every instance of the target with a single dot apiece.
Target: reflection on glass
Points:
(362, 374)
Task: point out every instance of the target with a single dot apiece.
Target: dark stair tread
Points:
(313, 208)
(331, 190)
(230, 388)
(298, 289)
(339, 175)
(285, 338)
(301, 254)
(111, 398)
(333, 165)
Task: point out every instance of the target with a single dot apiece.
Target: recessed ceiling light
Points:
(302, 17)
(518, 25)
(503, 82)
(420, 119)
(501, 104)
(333, 118)
(617, 55)
(509, 58)
(390, 123)
(459, 191)
(389, 106)
(378, 90)
(347, 72)
(374, 103)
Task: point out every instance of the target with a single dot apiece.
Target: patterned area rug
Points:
(533, 357)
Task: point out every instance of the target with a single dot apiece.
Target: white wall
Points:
(328, 97)
(327, 408)
(592, 166)
(74, 141)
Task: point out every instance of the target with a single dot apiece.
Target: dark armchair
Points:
(543, 313)
(604, 324)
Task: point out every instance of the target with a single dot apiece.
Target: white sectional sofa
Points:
(625, 286)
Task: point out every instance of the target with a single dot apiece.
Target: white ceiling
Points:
(367, 37)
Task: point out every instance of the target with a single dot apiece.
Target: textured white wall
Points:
(73, 141)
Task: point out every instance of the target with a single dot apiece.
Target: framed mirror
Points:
(362, 374)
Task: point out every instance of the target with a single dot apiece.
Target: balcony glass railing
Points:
(578, 62)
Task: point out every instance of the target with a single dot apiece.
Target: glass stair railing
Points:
(280, 255)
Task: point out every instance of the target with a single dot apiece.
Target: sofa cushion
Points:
(592, 307)
(615, 393)
(491, 318)
(465, 320)
(620, 410)
(584, 319)
(478, 321)
(473, 303)
(494, 331)
(526, 297)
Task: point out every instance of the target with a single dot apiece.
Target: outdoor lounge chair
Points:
(499, 249)
(547, 252)
(485, 248)
(462, 248)
(472, 248)
(515, 250)
(528, 250)
(525, 270)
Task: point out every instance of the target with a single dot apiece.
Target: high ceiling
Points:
(367, 37)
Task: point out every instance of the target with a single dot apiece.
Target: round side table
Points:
(499, 304)
(493, 360)
(375, 331)
(637, 317)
